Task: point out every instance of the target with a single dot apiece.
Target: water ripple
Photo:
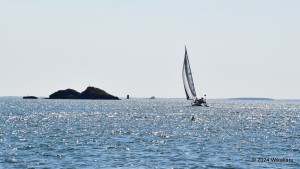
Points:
(142, 133)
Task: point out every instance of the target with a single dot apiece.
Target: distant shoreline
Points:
(250, 98)
(237, 99)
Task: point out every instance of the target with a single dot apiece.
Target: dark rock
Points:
(30, 97)
(95, 93)
(65, 94)
(89, 93)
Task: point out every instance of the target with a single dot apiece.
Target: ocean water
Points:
(143, 133)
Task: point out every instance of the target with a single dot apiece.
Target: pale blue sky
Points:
(237, 48)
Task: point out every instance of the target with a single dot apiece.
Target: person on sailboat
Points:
(200, 102)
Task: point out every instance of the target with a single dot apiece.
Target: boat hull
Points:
(199, 102)
(202, 104)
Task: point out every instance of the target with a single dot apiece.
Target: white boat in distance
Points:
(189, 83)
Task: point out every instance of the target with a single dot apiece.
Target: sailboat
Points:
(188, 83)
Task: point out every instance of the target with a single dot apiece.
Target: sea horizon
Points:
(222, 98)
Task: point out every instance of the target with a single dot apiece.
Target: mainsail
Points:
(188, 79)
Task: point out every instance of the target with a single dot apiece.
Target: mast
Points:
(188, 79)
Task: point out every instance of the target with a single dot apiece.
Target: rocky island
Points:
(30, 97)
(65, 94)
(89, 93)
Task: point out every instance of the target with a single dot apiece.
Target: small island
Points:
(89, 93)
(30, 97)
(65, 94)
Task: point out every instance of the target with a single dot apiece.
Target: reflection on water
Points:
(142, 133)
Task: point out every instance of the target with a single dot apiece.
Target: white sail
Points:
(188, 79)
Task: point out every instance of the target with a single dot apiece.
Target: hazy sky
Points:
(237, 48)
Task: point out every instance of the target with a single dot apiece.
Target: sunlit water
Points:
(143, 133)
